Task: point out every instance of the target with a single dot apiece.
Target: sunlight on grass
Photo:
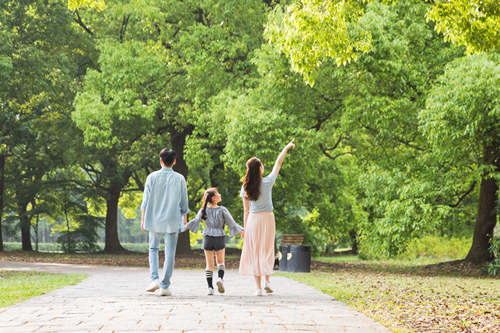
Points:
(17, 286)
(351, 258)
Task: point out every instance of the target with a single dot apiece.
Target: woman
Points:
(257, 257)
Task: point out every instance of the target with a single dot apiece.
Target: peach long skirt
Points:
(257, 256)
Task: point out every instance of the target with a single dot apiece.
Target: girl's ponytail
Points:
(207, 198)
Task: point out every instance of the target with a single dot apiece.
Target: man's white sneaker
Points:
(220, 285)
(165, 292)
(153, 286)
(210, 291)
(258, 292)
(268, 288)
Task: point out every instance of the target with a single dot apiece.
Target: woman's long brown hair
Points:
(253, 179)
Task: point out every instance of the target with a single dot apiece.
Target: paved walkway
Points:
(111, 299)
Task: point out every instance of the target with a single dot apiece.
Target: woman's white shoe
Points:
(210, 291)
(258, 292)
(268, 288)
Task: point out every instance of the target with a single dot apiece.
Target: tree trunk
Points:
(25, 228)
(354, 241)
(68, 229)
(36, 232)
(485, 222)
(112, 243)
(2, 181)
(178, 142)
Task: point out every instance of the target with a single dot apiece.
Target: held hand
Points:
(291, 144)
(242, 233)
(142, 227)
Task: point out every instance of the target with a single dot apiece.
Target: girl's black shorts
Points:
(214, 243)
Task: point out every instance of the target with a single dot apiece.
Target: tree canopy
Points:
(310, 32)
(76, 4)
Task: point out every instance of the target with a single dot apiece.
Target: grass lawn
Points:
(16, 286)
(410, 296)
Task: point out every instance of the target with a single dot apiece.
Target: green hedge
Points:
(438, 247)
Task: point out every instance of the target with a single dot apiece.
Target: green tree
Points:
(258, 120)
(310, 32)
(45, 56)
(400, 184)
(404, 188)
(5, 70)
(462, 122)
(154, 81)
(115, 113)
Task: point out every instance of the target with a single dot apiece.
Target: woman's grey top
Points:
(214, 223)
(265, 201)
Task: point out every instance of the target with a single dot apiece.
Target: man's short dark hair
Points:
(168, 156)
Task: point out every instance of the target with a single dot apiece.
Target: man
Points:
(164, 213)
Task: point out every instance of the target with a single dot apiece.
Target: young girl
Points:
(215, 217)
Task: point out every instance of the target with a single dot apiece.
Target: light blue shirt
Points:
(165, 201)
(265, 201)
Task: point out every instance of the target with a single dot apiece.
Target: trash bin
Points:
(298, 258)
(282, 257)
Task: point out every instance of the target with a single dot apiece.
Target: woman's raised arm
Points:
(281, 157)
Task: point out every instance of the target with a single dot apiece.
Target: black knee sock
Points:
(209, 275)
(221, 271)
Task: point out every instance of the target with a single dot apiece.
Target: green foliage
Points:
(438, 247)
(113, 107)
(83, 238)
(160, 64)
(364, 169)
(75, 4)
(46, 58)
(472, 23)
(464, 106)
(195, 238)
(400, 184)
(311, 31)
(5, 67)
(493, 267)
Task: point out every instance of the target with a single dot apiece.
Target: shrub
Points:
(438, 247)
(373, 247)
(84, 238)
(493, 267)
